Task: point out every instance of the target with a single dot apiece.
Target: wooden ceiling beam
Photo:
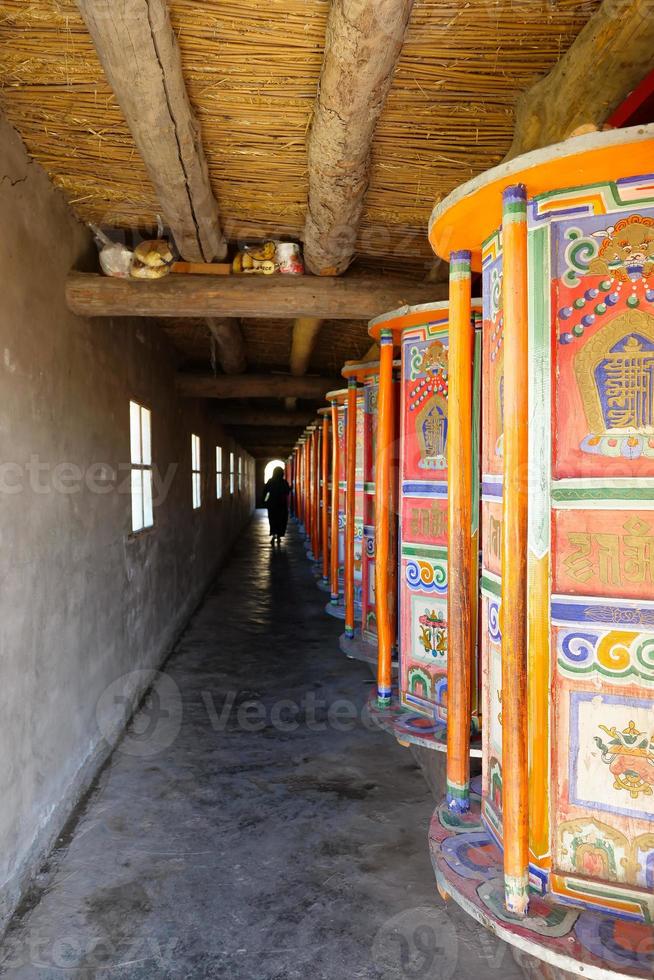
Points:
(305, 335)
(263, 417)
(230, 345)
(610, 56)
(257, 297)
(254, 435)
(255, 386)
(362, 44)
(270, 452)
(139, 53)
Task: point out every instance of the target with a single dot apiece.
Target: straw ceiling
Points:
(251, 72)
(268, 344)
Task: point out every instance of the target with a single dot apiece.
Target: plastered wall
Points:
(83, 601)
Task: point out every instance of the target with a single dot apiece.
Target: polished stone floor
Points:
(250, 824)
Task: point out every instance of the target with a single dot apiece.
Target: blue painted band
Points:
(515, 194)
(457, 805)
(349, 632)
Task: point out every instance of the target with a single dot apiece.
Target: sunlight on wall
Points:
(271, 467)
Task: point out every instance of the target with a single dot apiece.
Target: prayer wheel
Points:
(426, 429)
(558, 855)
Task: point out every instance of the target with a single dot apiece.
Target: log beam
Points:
(264, 417)
(305, 334)
(139, 53)
(251, 436)
(230, 346)
(269, 452)
(257, 297)
(255, 386)
(362, 44)
(610, 56)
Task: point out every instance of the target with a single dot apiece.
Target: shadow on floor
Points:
(250, 825)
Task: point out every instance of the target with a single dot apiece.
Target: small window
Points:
(219, 472)
(231, 472)
(141, 466)
(240, 474)
(196, 475)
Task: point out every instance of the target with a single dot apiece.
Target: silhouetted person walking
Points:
(276, 501)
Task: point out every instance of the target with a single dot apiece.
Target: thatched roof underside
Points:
(268, 344)
(252, 71)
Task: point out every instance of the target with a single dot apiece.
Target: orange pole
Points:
(296, 483)
(334, 525)
(301, 482)
(459, 535)
(350, 477)
(317, 525)
(515, 807)
(310, 487)
(307, 486)
(325, 499)
(384, 516)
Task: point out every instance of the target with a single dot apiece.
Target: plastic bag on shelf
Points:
(115, 258)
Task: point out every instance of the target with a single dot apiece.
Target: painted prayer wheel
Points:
(338, 402)
(325, 483)
(558, 857)
(423, 335)
(363, 646)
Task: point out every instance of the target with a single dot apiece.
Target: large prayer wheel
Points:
(558, 857)
(338, 402)
(422, 333)
(363, 645)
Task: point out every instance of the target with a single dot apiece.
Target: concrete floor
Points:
(248, 826)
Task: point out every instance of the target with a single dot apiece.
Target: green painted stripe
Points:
(602, 493)
(491, 585)
(513, 212)
(424, 550)
(582, 888)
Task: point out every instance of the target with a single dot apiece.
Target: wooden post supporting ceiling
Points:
(227, 333)
(140, 56)
(611, 55)
(254, 386)
(349, 298)
(263, 417)
(269, 452)
(305, 334)
(362, 44)
(253, 435)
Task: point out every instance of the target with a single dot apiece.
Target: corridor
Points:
(249, 825)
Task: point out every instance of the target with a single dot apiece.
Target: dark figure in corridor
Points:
(276, 501)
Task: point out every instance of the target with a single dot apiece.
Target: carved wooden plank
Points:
(247, 296)
(140, 56)
(611, 55)
(362, 43)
